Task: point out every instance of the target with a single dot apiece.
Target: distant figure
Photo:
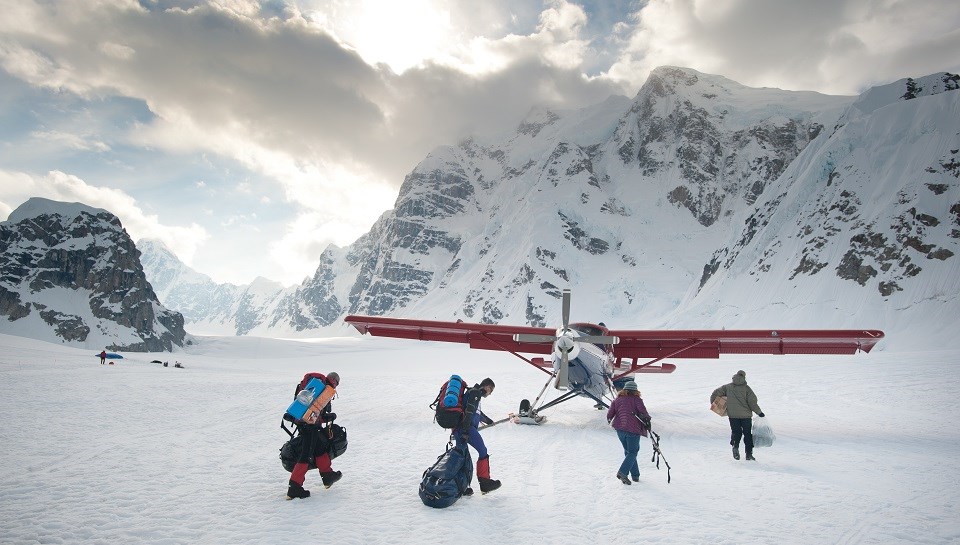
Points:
(741, 404)
(178, 365)
(630, 418)
(166, 363)
(312, 442)
(469, 432)
(103, 356)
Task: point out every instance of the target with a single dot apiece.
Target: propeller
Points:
(565, 342)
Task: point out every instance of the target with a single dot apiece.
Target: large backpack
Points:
(311, 398)
(449, 403)
(445, 481)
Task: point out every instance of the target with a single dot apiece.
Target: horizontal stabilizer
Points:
(598, 339)
(533, 338)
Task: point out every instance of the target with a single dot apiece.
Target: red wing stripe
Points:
(480, 336)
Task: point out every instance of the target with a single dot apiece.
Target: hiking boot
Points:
(488, 485)
(296, 491)
(750, 457)
(468, 492)
(635, 479)
(623, 478)
(330, 477)
(736, 453)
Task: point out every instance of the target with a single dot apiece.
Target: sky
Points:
(248, 136)
(866, 450)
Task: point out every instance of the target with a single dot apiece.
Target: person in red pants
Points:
(314, 444)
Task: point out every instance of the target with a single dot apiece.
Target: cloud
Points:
(831, 46)
(71, 141)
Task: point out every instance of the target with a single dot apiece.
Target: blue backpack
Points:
(446, 480)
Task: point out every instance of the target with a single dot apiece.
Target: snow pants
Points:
(473, 438)
(742, 427)
(309, 448)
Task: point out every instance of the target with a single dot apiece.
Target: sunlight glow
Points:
(401, 35)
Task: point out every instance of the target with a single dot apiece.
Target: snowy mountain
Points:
(699, 203)
(262, 307)
(209, 308)
(71, 273)
(637, 205)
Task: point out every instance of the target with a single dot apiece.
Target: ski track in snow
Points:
(866, 450)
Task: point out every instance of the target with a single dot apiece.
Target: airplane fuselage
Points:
(590, 366)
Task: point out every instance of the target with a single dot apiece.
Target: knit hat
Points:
(630, 386)
(333, 378)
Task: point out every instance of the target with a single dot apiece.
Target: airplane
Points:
(592, 361)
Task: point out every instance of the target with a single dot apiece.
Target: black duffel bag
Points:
(334, 446)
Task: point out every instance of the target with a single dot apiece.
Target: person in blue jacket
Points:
(630, 418)
(469, 431)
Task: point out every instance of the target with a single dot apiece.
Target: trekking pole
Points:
(657, 454)
(501, 421)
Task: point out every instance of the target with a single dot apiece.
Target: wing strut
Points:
(634, 367)
(505, 349)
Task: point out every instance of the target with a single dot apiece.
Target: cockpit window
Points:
(587, 329)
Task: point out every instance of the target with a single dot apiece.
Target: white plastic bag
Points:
(763, 435)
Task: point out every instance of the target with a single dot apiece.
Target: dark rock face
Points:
(314, 304)
(666, 130)
(92, 256)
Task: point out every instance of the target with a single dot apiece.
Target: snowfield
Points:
(866, 452)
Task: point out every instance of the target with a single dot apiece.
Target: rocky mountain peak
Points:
(70, 271)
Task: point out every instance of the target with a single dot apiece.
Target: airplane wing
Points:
(712, 343)
(480, 336)
(632, 343)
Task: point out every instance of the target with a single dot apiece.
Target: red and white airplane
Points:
(590, 360)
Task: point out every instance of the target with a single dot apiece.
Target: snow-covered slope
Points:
(71, 273)
(862, 229)
(866, 450)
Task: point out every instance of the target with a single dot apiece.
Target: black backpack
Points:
(449, 403)
(445, 481)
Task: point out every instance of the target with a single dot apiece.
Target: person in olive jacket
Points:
(741, 404)
(630, 418)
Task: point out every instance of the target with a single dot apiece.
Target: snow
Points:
(37, 206)
(866, 450)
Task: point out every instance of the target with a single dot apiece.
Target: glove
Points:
(330, 417)
(760, 415)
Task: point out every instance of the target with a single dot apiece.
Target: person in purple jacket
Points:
(629, 417)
